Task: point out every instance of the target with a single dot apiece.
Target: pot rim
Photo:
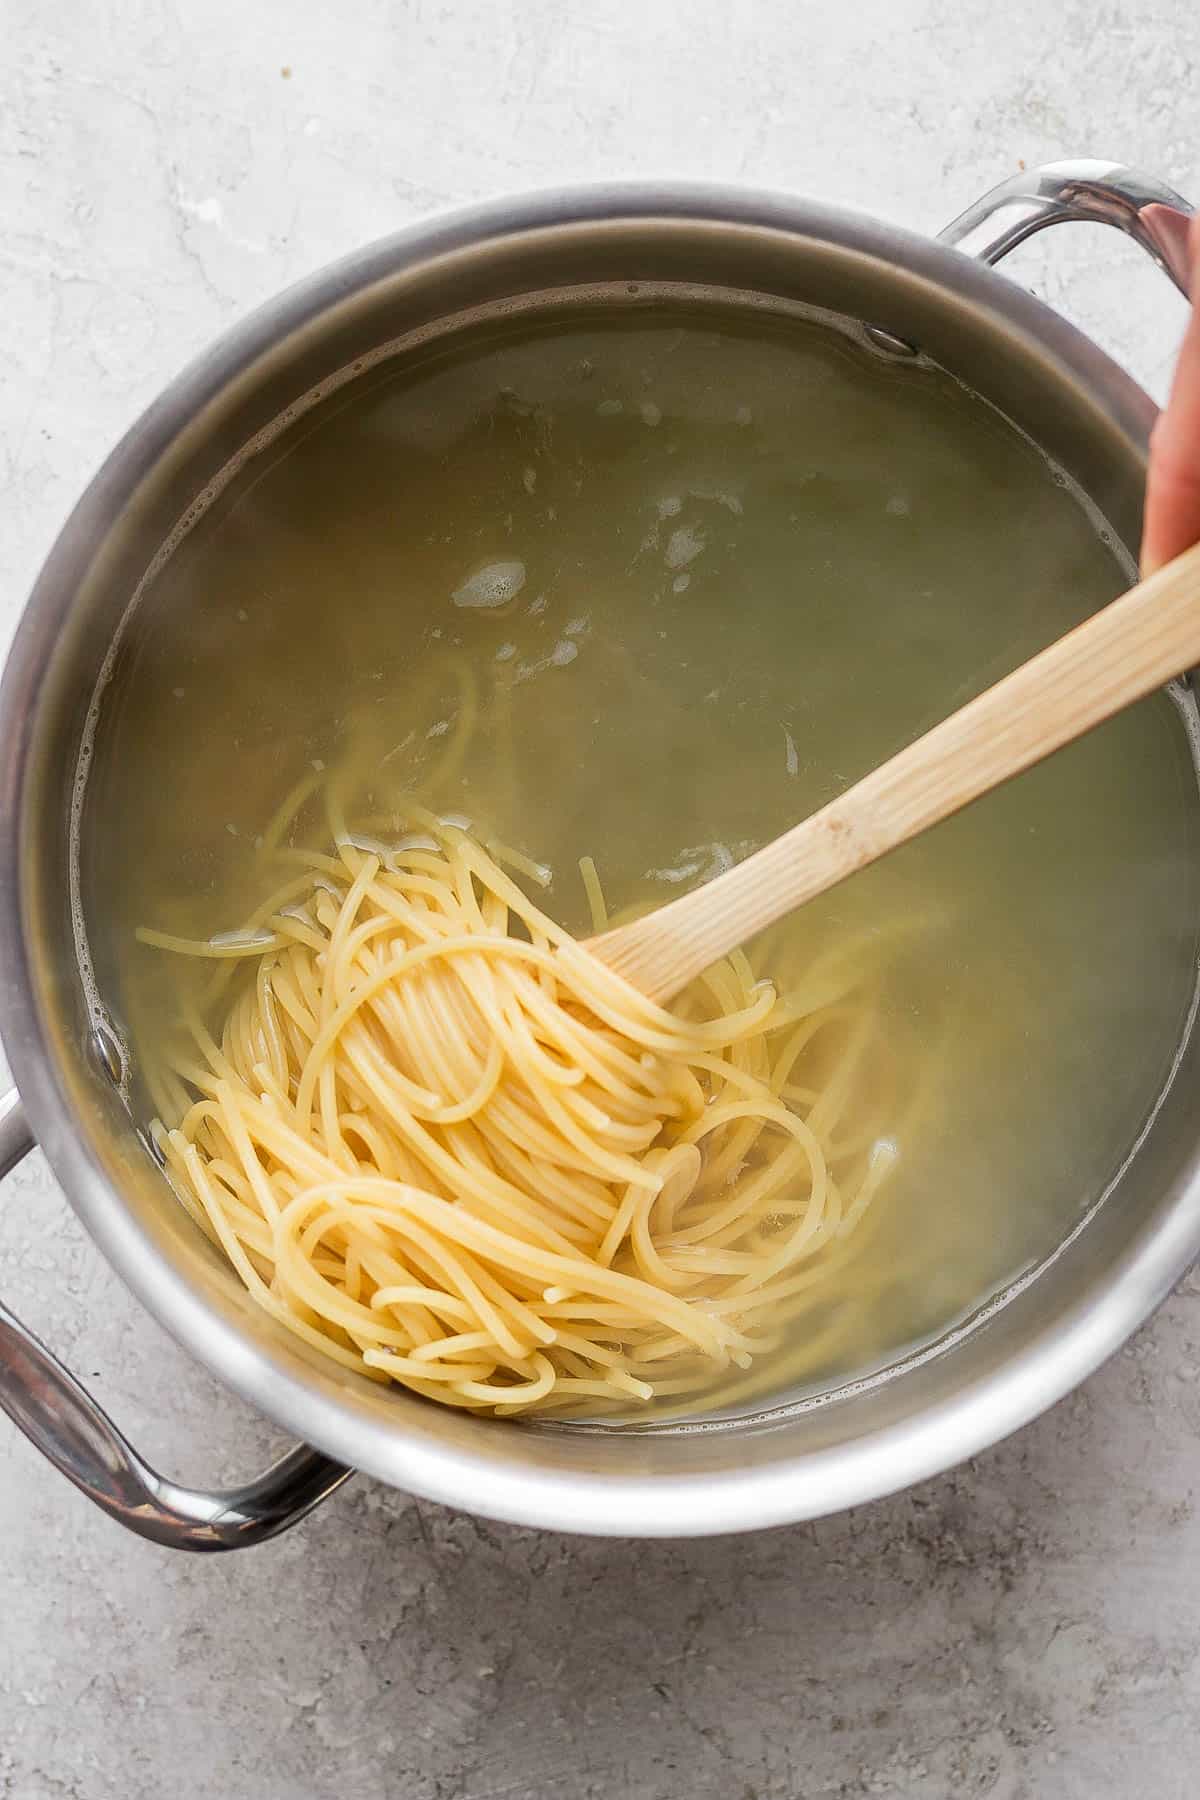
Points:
(806, 1486)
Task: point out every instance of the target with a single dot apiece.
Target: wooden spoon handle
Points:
(1119, 655)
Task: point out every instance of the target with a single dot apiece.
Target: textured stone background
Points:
(1028, 1627)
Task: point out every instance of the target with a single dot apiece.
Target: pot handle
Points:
(60, 1417)
(1096, 193)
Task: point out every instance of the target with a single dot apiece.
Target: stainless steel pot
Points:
(1055, 384)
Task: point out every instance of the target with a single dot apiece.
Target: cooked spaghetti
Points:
(446, 1146)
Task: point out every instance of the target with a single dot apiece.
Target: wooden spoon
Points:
(1119, 655)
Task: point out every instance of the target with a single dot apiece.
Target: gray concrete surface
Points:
(1027, 1627)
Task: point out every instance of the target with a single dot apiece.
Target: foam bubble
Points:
(495, 584)
(684, 545)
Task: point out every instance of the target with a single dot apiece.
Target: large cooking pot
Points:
(654, 1481)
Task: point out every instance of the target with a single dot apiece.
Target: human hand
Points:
(1172, 523)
